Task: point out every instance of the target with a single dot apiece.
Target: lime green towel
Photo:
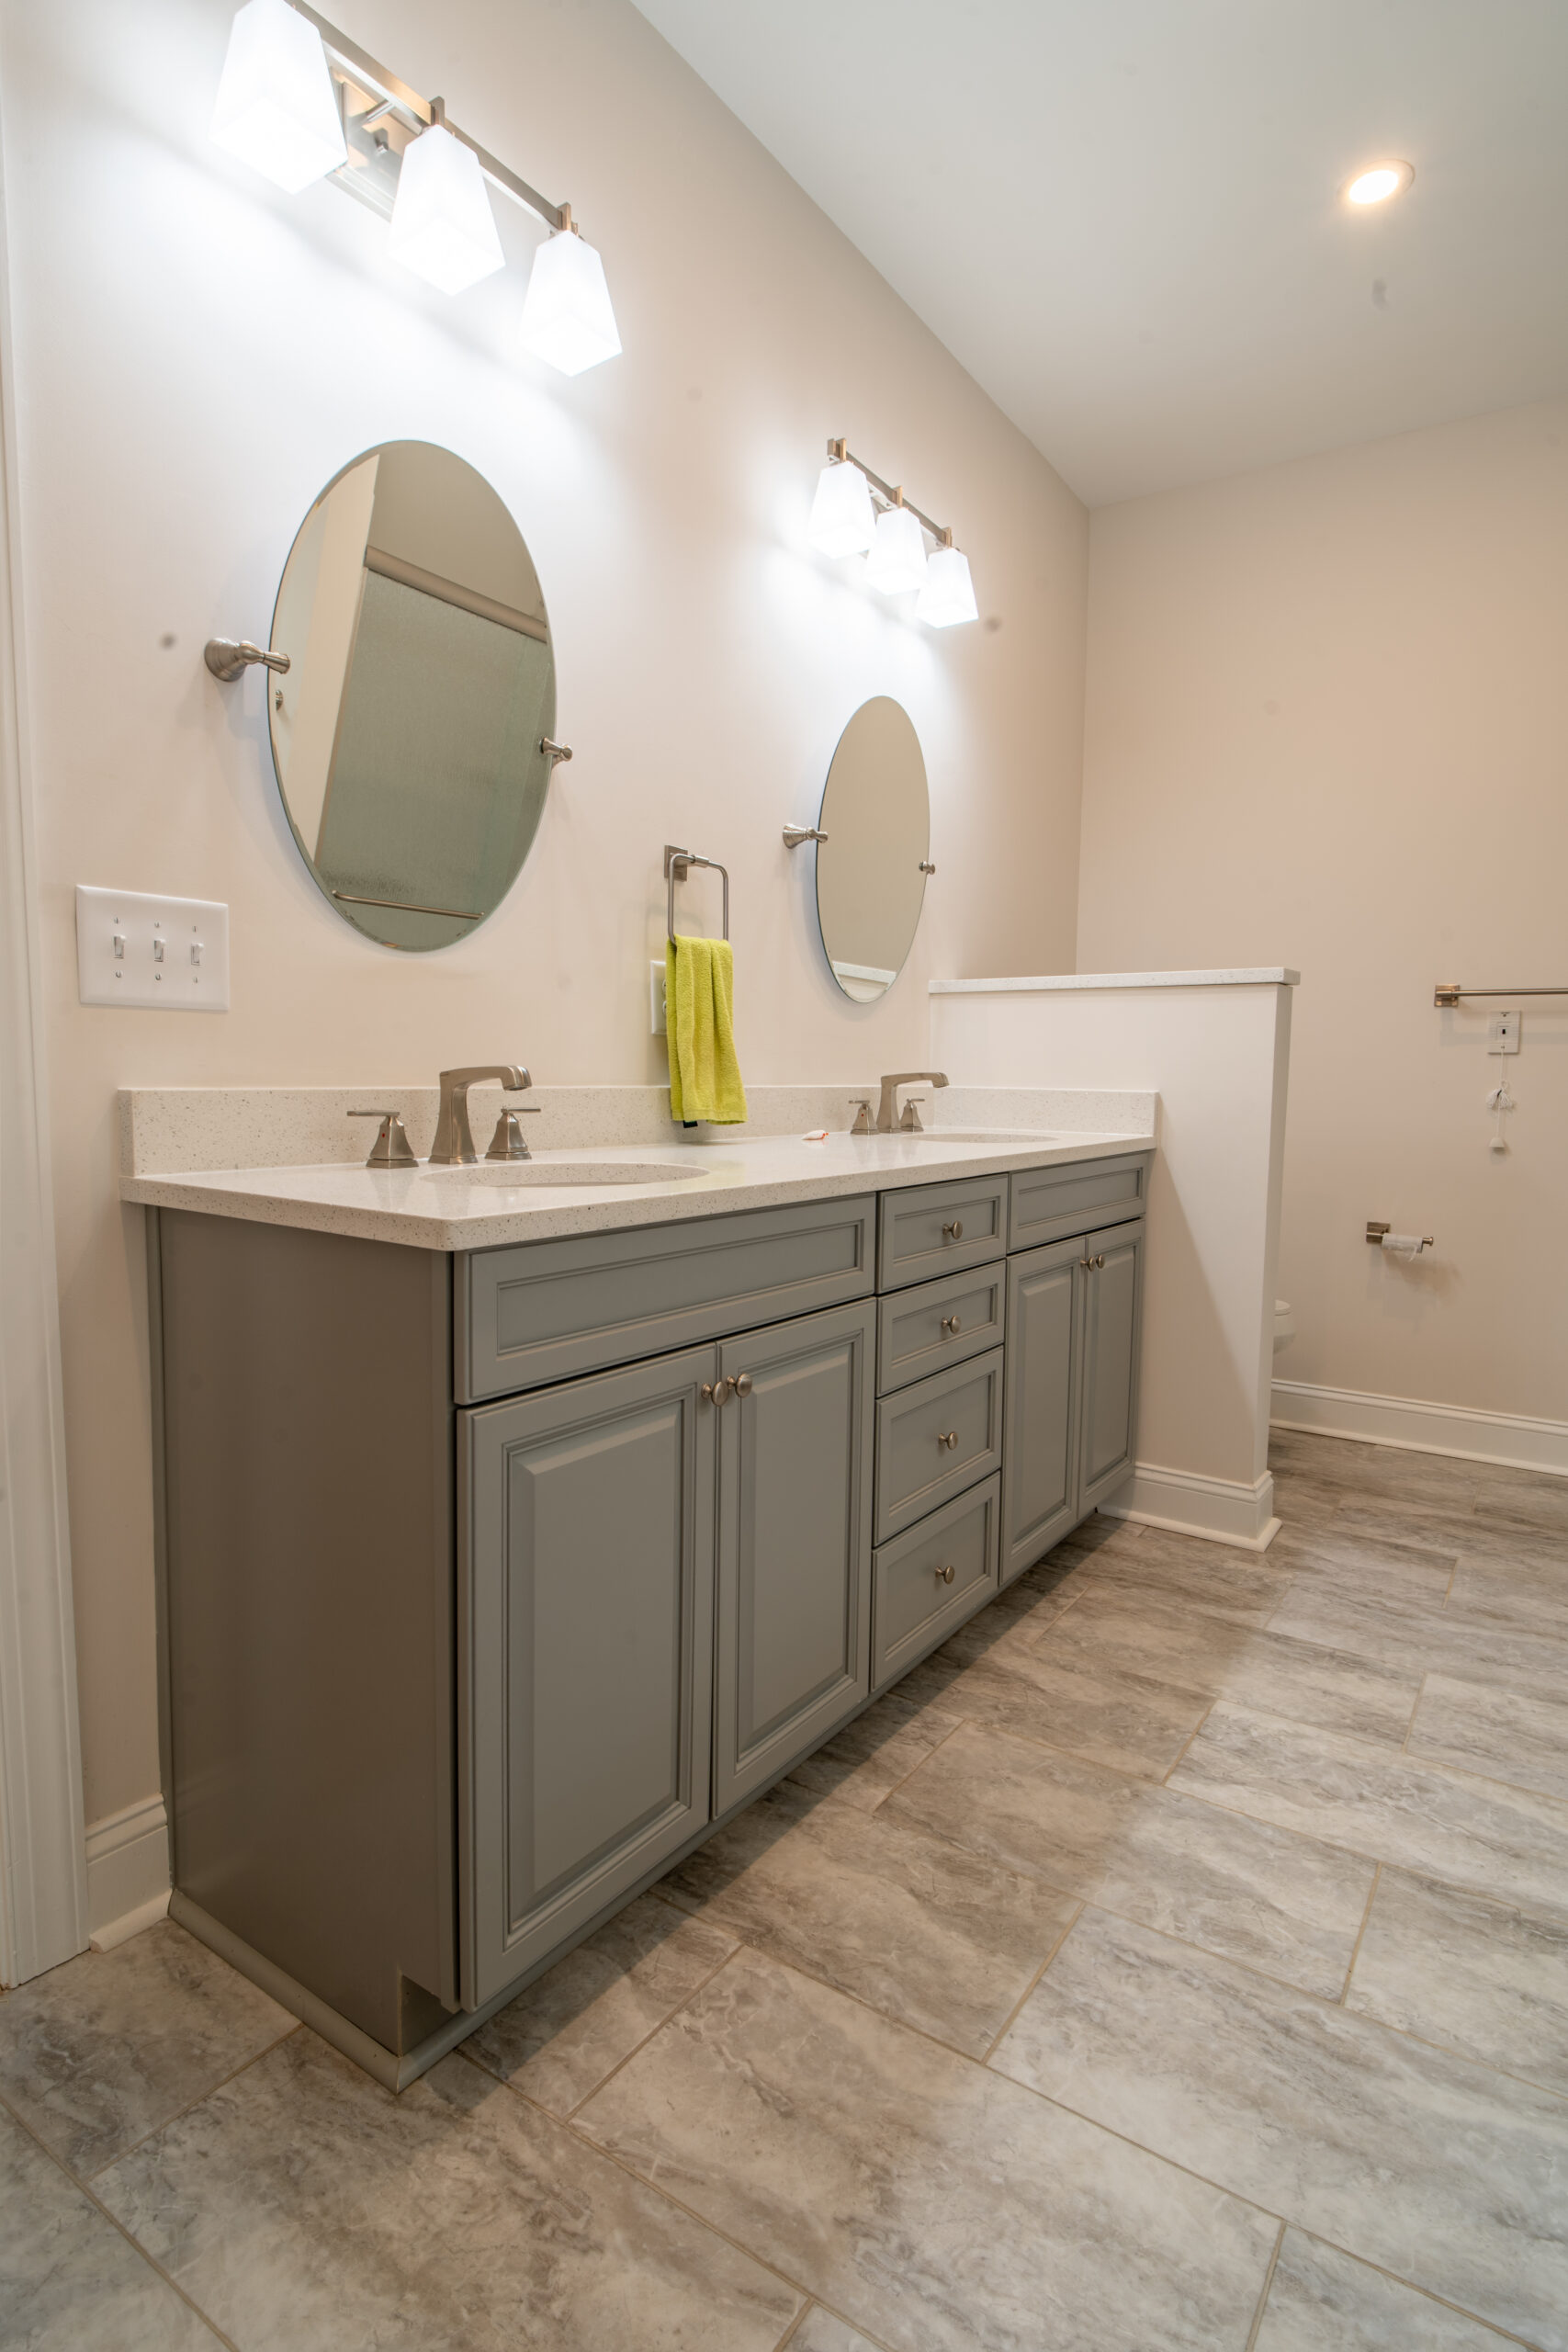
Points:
(699, 1003)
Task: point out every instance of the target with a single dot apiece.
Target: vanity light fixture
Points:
(855, 510)
(299, 101)
(443, 228)
(1380, 181)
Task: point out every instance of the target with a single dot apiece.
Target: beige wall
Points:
(1327, 726)
(196, 355)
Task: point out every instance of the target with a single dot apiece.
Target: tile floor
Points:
(1179, 1958)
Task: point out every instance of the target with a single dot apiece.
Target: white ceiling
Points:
(1123, 216)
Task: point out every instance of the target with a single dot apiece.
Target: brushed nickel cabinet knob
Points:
(947, 1437)
(741, 1384)
(952, 1325)
(953, 1232)
(944, 1575)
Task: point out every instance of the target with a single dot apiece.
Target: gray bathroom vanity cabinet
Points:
(493, 1581)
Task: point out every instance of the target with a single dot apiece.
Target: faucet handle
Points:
(391, 1147)
(861, 1122)
(909, 1125)
(509, 1142)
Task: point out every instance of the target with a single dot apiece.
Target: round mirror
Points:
(870, 870)
(408, 731)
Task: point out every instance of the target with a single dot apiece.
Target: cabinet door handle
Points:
(953, 1232)
(952, 1325)
(944, 1575)
(947, 1437)
(741, 1384)
(714, 1391)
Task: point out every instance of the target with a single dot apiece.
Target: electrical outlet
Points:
(169, 953)
(656, 976)
(1504, 1037)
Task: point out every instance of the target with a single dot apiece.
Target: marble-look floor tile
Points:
(1359, 1563)
(1500, 1733)
(820, 2332)
(557, 2041)
(1476, 1975)
(104, 2049)
(1445, 2173)
(1236, 1886)
(1212, 1578)
(1158, 1638)
(1323, 2301)
(306, 2210)
(69, 2281)
(1121, 1719)
(1526, 1502)
(934, 2205)
(919, 1927)
(860, 1764)
(1473, 1833)
(1412, 1638)
(1525, 1597)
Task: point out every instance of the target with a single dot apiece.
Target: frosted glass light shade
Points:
(843, 521)
(276, 110)
(567, 317)
(443, 228)
(897, 558)
(947, 593)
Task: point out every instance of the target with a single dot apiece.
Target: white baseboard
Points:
(1221, 1510)
(1511, 1439)
(127, 1872)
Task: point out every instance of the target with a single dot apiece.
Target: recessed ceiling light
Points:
(1380, 181)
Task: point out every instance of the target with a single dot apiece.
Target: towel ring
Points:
(678, 864)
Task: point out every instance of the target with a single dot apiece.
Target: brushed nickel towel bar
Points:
(678, 864)
(1450, 992)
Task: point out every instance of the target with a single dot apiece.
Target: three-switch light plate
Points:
(133, 948)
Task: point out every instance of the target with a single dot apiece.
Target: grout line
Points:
(1356, 1949)
(1429, 2294)
(86, 2190)
(736, 1945)
(1268, 2283)
(958, 1724)
(1420, 1694)
(1177, 1761)
(200, 2099)
(1012, 2018)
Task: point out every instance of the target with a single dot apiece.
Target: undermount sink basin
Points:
(511, 1175)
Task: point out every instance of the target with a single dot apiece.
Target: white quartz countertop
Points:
(441, 1208)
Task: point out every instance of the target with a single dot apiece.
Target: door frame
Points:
(43, 1875)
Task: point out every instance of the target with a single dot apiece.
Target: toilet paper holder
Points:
(1375, 1233)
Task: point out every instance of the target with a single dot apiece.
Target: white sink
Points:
(578, 1175)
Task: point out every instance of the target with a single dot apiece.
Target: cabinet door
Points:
(585, 1651)
(1112, 1298)
(1040, 1478)
(795, 1543)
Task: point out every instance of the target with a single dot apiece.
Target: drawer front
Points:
(931, 1580)
(934, 1228)
(546, 1310)
(1051, 1203)
(927, 1327)
(917, 1468)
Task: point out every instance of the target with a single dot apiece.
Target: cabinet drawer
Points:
(1049, 1204)
(926, 1329)
(544, 1310)
(932, 1228)
(931, 1580)
(915, 1467)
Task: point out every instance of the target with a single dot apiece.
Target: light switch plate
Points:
(658, 974)
(169, 953)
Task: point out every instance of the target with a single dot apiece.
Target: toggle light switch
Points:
(135, 949)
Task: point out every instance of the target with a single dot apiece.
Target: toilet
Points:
(1284, 1324)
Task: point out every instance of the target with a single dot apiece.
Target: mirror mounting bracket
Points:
(229, 658)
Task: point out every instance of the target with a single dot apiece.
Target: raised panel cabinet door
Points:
(793, 1624)
(1040, 1452)
(585, 1657)
(1112, 1302)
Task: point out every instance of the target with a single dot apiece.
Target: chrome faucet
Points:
(454, 1144)
(887, 1108)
